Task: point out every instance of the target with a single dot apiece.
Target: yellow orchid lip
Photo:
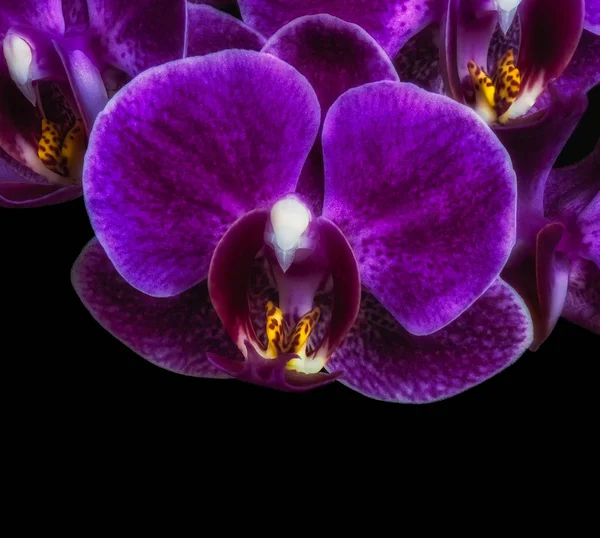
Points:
(62, 154)
(494, 97)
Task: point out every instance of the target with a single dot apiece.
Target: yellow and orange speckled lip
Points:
(495, 96)
(281, 340)
(59, 154)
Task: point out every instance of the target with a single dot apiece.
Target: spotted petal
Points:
(381, 360)
(334, 56)
(582, 305)
(426, 196)
(175, 333)
(181, 180)
(390, 22)
(592, 16)
(134, 36)
(44, 15)
(210, 30)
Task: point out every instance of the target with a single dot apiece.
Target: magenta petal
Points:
(582, 305)
(174, 333)
(390, 22)
(541, 59)
(426, 196)
(183, 179)
(381, 360)
(534, 144)
(136, 35)
(592, 16)
(210, 30)
(44, 15)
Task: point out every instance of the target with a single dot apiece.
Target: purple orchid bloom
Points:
(221, 269)
(391, 22)
(61, 62)
(534, 100)
(534, 122)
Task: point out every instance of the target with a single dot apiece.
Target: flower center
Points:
(507, 9)
(494, 96)
(62, 154)
(281, 340)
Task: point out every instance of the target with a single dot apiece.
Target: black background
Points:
(58, 362)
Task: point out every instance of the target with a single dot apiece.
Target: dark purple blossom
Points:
(209, 261)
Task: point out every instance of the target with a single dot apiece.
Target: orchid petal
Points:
(571, 188)
(426, 196)
(210, 30)
(588, 224)
(543, 58)
(541, 278)
(534, 144)
(592, 16)
(467, 30)
(175, 333)
(183, 179)
(137, 35)
(582, 305)
(334, 56)
(382, 361)
(390, 22)
(86, 82)
(45, 15)
(418, 61)
(75, 13)
(582, 73)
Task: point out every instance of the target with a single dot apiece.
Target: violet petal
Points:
(137, 35)
(174, 333)
(44, 15)
(390, 22)
(382, 361)
(426, 196)
(592, 16)
(210, 30)
(334, 56)
(183, 179)
(582, 305)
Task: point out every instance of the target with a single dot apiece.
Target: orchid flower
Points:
(208, 262)
(390, 22)
(61, 62)
(534, 98)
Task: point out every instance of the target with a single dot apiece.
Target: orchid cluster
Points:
(309, 192)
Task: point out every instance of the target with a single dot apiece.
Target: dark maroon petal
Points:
(390, 22)
(542, 59)
(183, 179)
(426, 196)
(134, 36)
(346, 286)
(230, 272)
(582, 305)
(210, 30)
(175, 333)
(382, 361)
